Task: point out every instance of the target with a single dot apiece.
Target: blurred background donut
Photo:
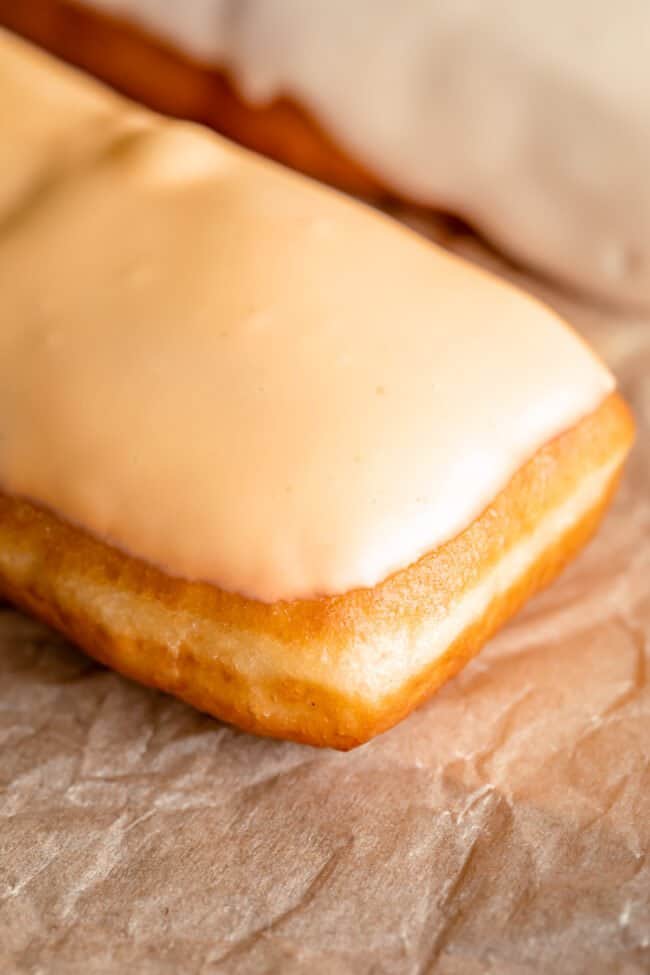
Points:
(529, 121)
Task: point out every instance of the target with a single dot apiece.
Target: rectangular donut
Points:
(261, 447)
(332, 671)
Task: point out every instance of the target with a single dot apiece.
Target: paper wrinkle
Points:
(503, 828)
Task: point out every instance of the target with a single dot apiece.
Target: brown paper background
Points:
(504, 828)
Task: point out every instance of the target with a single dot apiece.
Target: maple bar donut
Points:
(262, 447)
(527, 120)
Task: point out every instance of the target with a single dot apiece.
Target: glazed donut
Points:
(262, 447)
(527, 120)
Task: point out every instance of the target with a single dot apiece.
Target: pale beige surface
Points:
(504, 828)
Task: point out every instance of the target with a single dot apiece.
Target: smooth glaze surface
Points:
(241, 377)
(528, 119)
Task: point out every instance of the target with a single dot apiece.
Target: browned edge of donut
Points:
(156, 74)
(72, 580)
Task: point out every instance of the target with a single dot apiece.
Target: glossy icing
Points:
(529, 119)
(226, 370)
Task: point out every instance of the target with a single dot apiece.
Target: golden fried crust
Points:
(300, 670)
(164, 79)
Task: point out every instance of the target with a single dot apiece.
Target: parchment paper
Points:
(504, 828)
